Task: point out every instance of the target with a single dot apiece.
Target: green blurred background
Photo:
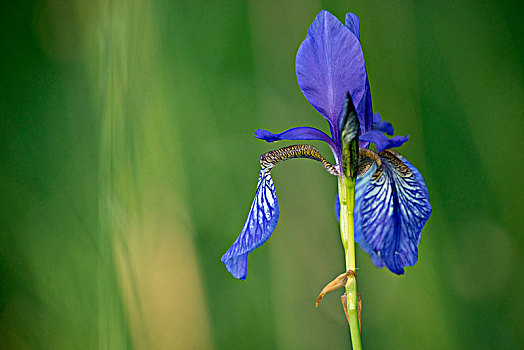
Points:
(128, 167)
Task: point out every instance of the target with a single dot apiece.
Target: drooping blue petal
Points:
(382, 125)
(329, 63)
(360, 187)
(299, 133)
(260, 224)
(417, 173)
(381, 140)
(392, 210)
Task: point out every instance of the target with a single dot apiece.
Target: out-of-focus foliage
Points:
(128, 166)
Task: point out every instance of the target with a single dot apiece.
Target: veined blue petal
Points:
(417, 173)
(260, 224)
(299, 133)
(382, 125)
(392, 210)
(329, 63)
(381, 140)
(360, 187)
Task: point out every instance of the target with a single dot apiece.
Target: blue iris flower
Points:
(391, 198)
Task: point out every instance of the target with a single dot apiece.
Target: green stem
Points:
(346, 191)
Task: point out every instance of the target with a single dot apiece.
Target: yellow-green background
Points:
(128, 166)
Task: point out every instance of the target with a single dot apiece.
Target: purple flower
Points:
(392, 202)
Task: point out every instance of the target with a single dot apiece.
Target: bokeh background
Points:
(128, 167)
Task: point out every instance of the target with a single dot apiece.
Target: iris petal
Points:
(329, 63)
(360, 187)
(382, 125)
(353, 24)
(299, 133)
(260, 224)
(392, 211)
(364, 107)
(365, 110)
(381, 141)
(417, 173)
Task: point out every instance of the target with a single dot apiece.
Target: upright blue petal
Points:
(353, 24)
(260, 224)
(299, 133)
(372, 121)
(381, 140)
(393, 209)
(365, 110)
(329, 63)
(364, 107)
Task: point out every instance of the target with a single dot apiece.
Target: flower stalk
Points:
(346, 190)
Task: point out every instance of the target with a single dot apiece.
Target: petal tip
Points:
(353, 24)
(265, 135)
(236, 265)
(398, 272)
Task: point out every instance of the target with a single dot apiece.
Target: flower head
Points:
(392, 203)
